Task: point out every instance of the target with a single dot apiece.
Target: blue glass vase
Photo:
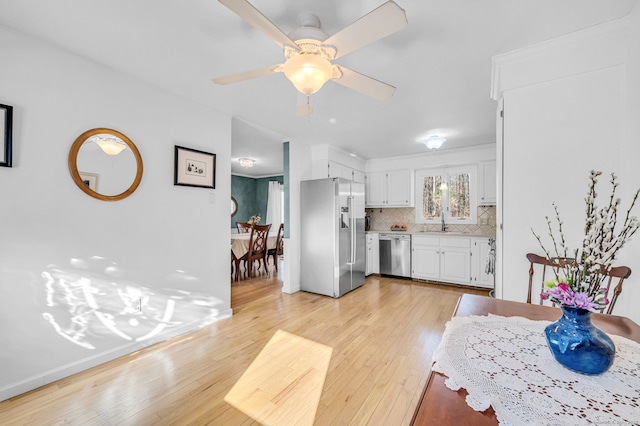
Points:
(577, 344)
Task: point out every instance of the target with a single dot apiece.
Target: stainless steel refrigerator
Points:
(332, 237)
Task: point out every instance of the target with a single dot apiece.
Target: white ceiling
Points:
(440, 64)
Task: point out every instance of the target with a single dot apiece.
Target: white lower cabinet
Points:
(425, 257)
(446, 259)
(479, 251)
(373, 255)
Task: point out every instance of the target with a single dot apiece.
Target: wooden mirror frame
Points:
(75, 174)
(234, 205)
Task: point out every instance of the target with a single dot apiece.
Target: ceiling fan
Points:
(309, 51)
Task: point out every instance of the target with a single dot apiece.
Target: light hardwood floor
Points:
(382, 337)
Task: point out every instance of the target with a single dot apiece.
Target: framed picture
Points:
(6, 127)
(90, 179)
(194, 168)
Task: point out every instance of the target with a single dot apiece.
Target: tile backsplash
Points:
(382, 219)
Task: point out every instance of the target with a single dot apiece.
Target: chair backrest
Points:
(243, 227)
(279, 240)
(258, 240)
(547, 266)
(615, 277)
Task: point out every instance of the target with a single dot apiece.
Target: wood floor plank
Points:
(382, 335)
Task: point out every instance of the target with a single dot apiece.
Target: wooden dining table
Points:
(240, 243)
(440, 405)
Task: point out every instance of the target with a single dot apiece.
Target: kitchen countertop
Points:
(433, 233)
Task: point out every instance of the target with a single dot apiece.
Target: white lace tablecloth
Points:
(504, 362)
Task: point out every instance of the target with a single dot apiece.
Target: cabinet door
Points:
(484, 279)
(425, 259)
(369, 258)
(475, 259)
(487, 183)
(358, 176)
(455, 265)
(375, 257)
(375, 189)
(346, 173)
(338, 170)
(399, 188)
(333, 170)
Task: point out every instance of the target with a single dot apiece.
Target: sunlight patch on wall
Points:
(284, 383)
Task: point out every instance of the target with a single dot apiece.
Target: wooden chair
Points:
(278, 250)
(257, 248)
(235, 265)
(615, 277)
(243, 227)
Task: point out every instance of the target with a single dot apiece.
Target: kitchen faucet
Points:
(444, 226)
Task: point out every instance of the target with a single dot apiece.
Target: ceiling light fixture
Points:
(246, 162)
(111, 146)
(434, 142)
(308, 72)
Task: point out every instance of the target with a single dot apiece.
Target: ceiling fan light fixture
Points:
(111, 146)
(308, 72)
(434, 142)
(246, 162)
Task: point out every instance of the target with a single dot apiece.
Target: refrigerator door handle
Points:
(353, 229)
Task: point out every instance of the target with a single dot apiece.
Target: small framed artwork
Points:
(6, 127)
(194, 168)
(90, 179)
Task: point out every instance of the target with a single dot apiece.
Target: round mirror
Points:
(234, 206)
(105, 164)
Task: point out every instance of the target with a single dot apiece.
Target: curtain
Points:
(274, 205)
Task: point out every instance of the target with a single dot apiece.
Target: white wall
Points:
(299, 170)
(68, 262)
(630, 153)
(559, 124)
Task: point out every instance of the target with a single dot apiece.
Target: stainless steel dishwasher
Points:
(395, 254)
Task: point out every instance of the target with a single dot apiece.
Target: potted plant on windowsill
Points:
(578, 284)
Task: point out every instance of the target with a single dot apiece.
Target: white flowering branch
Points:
(600, 245)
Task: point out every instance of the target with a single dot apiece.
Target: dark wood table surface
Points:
(440, 405)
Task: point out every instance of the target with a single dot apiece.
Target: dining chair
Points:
(278, 250)
(235, 265)
(243, 227)
(615, 277)
(257, 248)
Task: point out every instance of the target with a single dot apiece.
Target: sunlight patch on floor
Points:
(284, 383)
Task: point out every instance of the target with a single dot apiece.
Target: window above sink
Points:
(447, 195)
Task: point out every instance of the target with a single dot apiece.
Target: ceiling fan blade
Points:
(364, 84)
(253, 16)
(248, 75)
(379, 23)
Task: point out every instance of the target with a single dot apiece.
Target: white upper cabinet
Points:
(358, 176)
(487, 183)
(389, 189)
(328, 168)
